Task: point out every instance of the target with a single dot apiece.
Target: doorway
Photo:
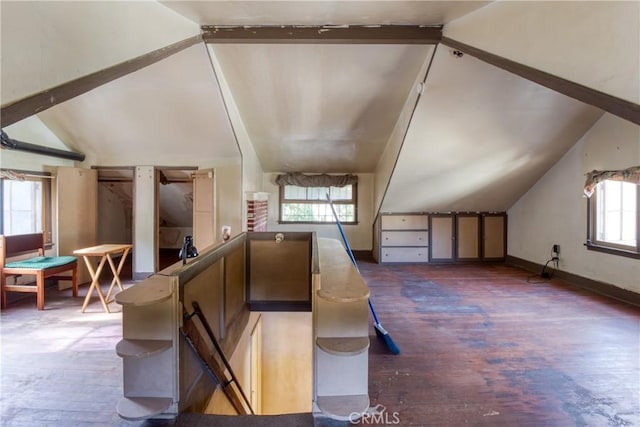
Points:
(175, 211)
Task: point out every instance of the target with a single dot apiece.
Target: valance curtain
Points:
(631, 174)
(322, 180)
(9, 174)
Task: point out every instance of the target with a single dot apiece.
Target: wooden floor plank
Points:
(480, 345)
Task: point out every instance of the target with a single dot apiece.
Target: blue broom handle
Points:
(348, 248)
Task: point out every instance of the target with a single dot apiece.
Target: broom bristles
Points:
(388, 341)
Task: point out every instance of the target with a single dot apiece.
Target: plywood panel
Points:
(204, 224)
(287, 368)
(77, 206)
(441, 238)
(468, 237)
(493, 236)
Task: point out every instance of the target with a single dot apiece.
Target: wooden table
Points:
(106, 253)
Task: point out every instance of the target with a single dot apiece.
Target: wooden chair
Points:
(40, 266)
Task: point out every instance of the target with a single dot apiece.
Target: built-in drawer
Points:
(404, 254)
(405, 222)
(404, 238)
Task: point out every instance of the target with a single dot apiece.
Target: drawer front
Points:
(405, 222)
(404, 255)
(404, 238)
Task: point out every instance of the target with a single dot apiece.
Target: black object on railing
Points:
(188, 249)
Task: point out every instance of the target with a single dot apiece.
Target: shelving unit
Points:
(341, 335)
(148, 350)
(404, 238)
(440, 237)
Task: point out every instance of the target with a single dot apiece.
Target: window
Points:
(26, 206)
(310, 205)
(615, 217)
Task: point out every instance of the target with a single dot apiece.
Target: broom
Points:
(380, 331)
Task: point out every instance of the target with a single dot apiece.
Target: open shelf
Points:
(343, 346)
(343, 408)
(139, 349)
(140, 408)
(154, 290)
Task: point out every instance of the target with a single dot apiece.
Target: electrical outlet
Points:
(556, 249)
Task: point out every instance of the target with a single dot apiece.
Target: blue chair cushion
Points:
(41, 262)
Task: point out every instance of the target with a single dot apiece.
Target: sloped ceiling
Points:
(320, 108)
(168, 114)
(478, 139)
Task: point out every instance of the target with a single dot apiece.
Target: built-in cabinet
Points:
(440, 237)
(404, 238)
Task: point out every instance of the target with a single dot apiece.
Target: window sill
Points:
(612, 251)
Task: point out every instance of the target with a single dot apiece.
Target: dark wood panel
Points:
(354, 34)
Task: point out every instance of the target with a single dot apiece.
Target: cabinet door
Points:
(468, 237)
(404, 222)
(494, 232)
(441, 247)
(77, 206)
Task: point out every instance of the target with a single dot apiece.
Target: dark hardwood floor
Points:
(481, 345)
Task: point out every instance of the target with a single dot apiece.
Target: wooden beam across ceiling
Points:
(31, 105)
(617, 106)
(324, 34)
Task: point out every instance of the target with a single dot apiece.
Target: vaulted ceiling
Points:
(442, 131)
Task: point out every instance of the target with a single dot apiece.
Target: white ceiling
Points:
(320, 108)
(479, 138)
(420, 12)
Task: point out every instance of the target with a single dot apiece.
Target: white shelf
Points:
(141, 408)
(154, 290)
(139, 349)
(343, 346)
(343, 408)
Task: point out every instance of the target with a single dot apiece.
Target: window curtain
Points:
(594, 177)
(323, 180)
(9, 174)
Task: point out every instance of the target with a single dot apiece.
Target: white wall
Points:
(594, 43)
(41, 47)
(359, 236)
(229, 207)
(33, 131)
(251, 168)
(554, 210)
(115, 212)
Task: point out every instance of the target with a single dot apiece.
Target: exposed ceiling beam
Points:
(26, 107)
(611, 104)
(325, 34)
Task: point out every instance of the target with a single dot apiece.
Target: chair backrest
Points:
(20, 244)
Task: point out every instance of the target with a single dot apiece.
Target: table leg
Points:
(95, 283)
(116, 272)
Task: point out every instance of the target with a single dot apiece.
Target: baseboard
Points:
(363, 254)
(591, 285)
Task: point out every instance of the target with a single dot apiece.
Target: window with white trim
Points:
(615, 217)
(26, 206)
(310, 205)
